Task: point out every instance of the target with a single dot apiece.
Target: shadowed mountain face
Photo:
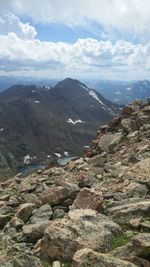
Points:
(41, 121)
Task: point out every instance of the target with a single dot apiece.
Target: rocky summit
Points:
(94, 212)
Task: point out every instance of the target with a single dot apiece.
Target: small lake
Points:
(64, 161)
(26, 170)
(30, 168)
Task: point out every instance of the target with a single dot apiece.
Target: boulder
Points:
(86, 179)
(4, 219)
(88, 199)
(57, 195)
(88, 257)
(41, 214)
(33, 232)
(25, 260)
(108, 141)
(58, 213)
(56, 264)
(25, 211)
(124, 213)
(79, 229)
(141, 245)
(32, 198)
(98, 160)
(142, 168)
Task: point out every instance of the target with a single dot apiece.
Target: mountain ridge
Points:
(36, 115)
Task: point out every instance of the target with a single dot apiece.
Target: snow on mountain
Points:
(74, 122)
(94, 95)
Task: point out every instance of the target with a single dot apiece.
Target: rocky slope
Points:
(94, 212)
(32, 117)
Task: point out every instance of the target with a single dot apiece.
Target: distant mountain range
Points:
(6, 82)
(122, 92)
(37, 123)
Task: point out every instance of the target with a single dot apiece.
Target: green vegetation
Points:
(46, 264)
(121, 240)
(68, 264)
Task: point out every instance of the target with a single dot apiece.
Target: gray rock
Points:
(41, 214)
(108, 141)
(25, 211)
(58, 213)
(33, 232)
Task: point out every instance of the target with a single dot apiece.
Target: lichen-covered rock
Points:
(41, 214)
(33, 232)
(25, 211)
(79, 229)
(87, 257)
(124, 213)
(57, 195)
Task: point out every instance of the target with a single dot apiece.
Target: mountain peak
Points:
(70, 82)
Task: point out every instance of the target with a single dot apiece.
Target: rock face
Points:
(93, 212)
(79, 229)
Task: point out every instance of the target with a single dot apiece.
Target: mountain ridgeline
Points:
(123, 92)
(37, 123)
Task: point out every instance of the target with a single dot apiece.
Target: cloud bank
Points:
(21, 53)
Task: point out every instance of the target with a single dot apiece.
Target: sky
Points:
(83, 39)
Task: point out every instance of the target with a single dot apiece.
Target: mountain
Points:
(8, 81)
(122, 92)
(37, 122)
(94, 212)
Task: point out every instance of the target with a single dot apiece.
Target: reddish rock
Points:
(88, 199)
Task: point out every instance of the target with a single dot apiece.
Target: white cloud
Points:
(84, 57)
(124, 17)
(22, 54)
(11, 23)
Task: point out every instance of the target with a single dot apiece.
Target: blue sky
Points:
(97, 39)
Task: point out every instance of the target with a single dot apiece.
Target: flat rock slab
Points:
(124, 213)
(88, 257)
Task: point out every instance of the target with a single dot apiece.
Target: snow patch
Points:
(84, 87)
(33, 91)
(48, 156)
(1, 129)
(86, 146)
(27, 159)
(58, 155)
(118, 93)
(128, 89)
(145, 83)
(66, 153)
(95, 96)
(48, 87)
(74, 122)
(37, 101)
